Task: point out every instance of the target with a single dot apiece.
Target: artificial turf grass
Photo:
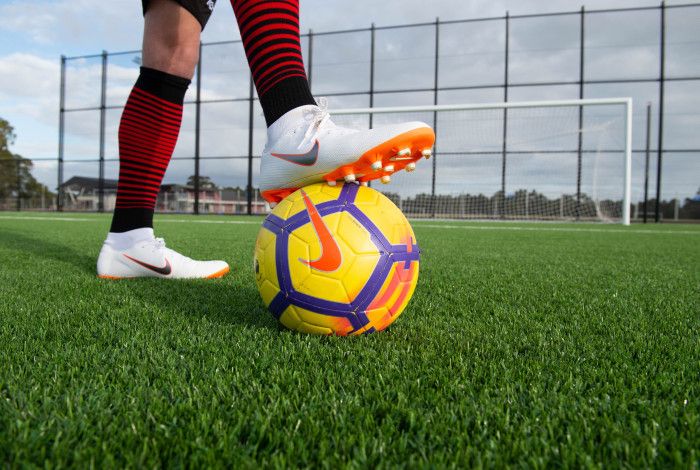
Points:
(539, 347)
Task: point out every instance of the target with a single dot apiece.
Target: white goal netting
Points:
(558, 160)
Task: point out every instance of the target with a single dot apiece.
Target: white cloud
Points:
(30, 21)
(29, 101)
(92, 25)
(27, 78)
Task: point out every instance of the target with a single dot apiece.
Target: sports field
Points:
(535, 344)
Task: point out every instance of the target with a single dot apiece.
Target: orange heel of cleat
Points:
(219, 274)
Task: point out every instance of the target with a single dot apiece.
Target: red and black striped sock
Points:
(148, 132)
(270, 34)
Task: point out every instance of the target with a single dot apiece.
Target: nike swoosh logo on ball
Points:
(165, 270)
(305, 159)
(330, 258)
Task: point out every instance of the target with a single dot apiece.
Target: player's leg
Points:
(171, 37)
(303, 144)
(148, 132)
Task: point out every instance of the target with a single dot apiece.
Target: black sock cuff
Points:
(131, 219)
(163, 85)
(285, 96)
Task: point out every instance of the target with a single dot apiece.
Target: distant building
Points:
(180, 198)
(81, 193)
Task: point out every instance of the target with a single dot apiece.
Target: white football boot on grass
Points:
(304, 146)
(138, 253)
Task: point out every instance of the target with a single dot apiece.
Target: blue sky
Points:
(35, 34)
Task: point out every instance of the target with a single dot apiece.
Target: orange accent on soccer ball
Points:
(330, 258)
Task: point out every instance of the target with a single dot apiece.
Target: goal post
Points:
(568, 160)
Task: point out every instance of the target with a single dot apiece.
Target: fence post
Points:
(579, 164)
(371, 78)
(197, 130)
(660, 137)
(371, 72)
(18, 200)
(646, 163)
(250, 147)
(504, 149)
(61, 132)
(103, 112)
(676, 208)
(310, 58)
(435, 101)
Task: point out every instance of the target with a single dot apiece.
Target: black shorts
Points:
(200, 9)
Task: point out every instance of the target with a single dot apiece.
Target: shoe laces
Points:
(158, 244)
(317, 117)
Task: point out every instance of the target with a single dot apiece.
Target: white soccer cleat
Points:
(304, 147)
(150, 257)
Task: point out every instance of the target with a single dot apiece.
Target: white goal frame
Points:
(626, 102)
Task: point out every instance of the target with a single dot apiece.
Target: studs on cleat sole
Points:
(331, 182)
(382, 161)
(403, 154)
(364, 183)
(427, 153)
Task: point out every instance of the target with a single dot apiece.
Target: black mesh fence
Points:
(651, 54)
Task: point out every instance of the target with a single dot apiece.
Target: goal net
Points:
(547, 160)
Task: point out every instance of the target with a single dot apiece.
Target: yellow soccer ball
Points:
(336, 260)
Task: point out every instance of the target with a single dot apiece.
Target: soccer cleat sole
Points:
(216, 275)
(379, 163)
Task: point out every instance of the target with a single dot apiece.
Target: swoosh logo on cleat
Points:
(165, 270)
(330, 258)
(305, 159)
